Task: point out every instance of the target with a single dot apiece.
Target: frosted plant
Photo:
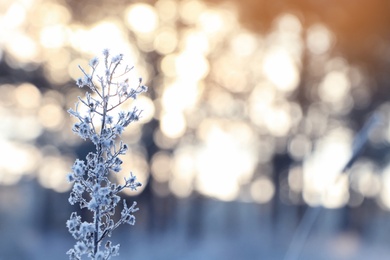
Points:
(93, 188)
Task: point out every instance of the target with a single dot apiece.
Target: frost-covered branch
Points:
(92, 188)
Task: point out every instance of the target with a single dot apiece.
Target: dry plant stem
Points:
(92, 188)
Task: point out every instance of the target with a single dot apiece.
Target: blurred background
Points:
(250, 116)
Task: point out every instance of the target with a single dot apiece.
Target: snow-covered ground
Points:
(171, 247)
(210, 230)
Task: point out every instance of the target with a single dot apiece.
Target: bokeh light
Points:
(17, 160)
(278, 62)
(262, 190)
(322, 182)
(142, 18)
(51, 173)
(224, 100)
(319, 39)
(251, 114)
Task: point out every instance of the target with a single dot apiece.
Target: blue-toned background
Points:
(249, 119)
